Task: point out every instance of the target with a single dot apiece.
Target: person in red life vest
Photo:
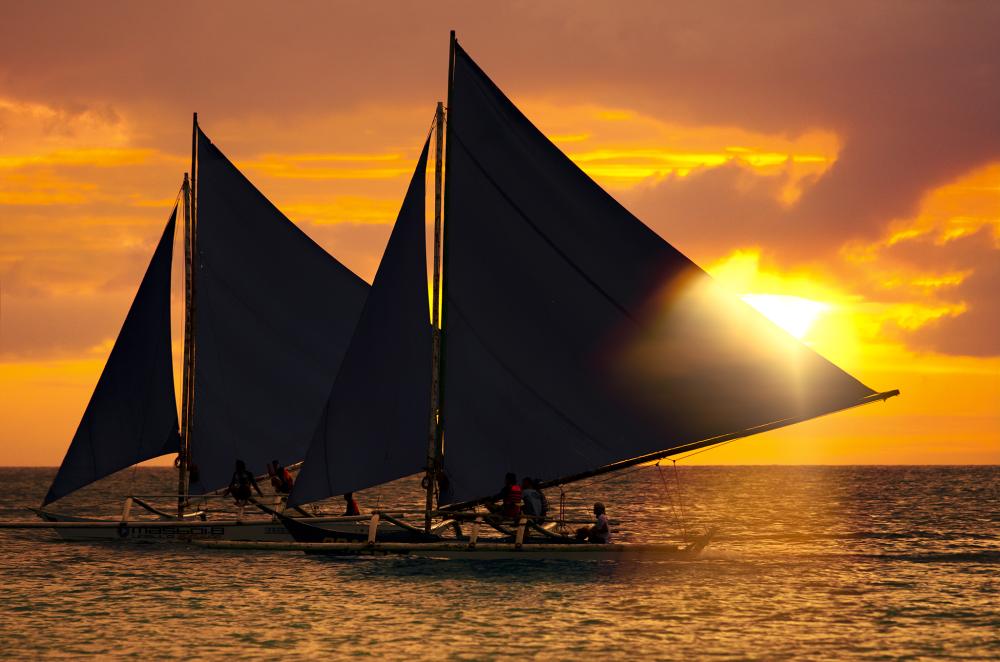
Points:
(512, 502)
(352, 505)
(281, 477)
(510, 497)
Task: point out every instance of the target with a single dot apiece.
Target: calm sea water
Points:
(810, 563)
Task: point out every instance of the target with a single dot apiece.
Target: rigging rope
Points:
(673, 510)
(680, 498)
(705, 450)
(562, 508)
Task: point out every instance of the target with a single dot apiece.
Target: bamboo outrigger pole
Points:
(187, 379)
(713, 441)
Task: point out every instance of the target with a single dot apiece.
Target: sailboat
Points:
(572, 341)
(268, 317)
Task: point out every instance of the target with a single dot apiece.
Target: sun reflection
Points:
(793, 314)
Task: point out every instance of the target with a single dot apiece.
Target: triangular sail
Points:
(374, 426)
(575, 336)
(132, 415)
(273, 317)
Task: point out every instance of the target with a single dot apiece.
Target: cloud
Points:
(713, 210)
(970, 327)
(709, 105)
(908, 86)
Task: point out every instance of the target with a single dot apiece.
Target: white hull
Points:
(153, 531)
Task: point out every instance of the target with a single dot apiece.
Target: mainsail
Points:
(274, 316)
(373, 428)
(576, 337)
(132, 414)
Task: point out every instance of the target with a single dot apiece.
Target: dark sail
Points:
(274, 315)
(575, 336)
(132, 415)
(374, 426)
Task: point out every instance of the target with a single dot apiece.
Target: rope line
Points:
(706, 449)
(666, 489)
(680, 498)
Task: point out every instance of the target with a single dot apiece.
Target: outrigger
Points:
(252, 280)
(570, 339)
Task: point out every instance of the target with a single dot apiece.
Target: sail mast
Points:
(433, 451)
(435, 459)
(187, 387)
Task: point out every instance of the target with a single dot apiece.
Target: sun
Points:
(793, 314)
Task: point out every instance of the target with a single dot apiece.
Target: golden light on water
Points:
(796, 315)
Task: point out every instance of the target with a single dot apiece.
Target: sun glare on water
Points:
(793, 314)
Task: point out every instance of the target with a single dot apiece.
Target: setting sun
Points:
(793, 314)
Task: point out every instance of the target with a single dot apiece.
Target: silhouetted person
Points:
(600, 532)
(534, 501)
(352, 505)
(445, 494)
(281, 478)
(510, 497)
(240, 485)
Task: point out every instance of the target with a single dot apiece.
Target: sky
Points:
(837, 165)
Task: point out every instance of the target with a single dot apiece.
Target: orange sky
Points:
(841, 171)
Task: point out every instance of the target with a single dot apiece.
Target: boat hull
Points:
(77, 529)
(482, 551)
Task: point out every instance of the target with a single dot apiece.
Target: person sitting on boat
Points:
(510, 497)
(600, 532)
(281, 477)
(445, 494)
(533, 500)
(241, 483)
(352, 509)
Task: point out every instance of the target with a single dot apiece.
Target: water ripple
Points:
(811, 562)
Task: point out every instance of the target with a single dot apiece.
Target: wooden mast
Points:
(439, 309)
(187, 380)
(433, 453)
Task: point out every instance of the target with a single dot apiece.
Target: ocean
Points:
(809, 563)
